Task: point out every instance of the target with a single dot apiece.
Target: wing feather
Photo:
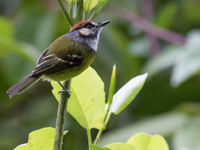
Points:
(49, 63)
(42, 56)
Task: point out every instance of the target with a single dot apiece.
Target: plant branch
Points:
(71, 8)
(147, 11)
(62, 7)
(58, 141)
(93, 15)
(89, 138)
(98, 136)
(147, 27)
(80, 12)
(107, 117)
(109, 103)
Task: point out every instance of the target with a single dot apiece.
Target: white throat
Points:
(94, 42)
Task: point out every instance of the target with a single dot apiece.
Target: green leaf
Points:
(96, 147)
(112, 86)
(87, 102)
(162, 61)
(143, 141)
(41, 139)
(69, 2)
(101, 4)
(161, 124)
(185, 60)
(89, 5)
(127, 94)
(120, 146)
(26, 51)
(166, 15)
(188, 62)
(22, 147)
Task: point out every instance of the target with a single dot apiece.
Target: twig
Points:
(147, 11)
(80, 12)
(62, 7)
(58, 141)
(89, 137)
(93, 15)
(107, 117)
(71, 8)
(98, 136)
(147, 27)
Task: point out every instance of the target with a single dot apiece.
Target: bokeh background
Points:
(160, 37)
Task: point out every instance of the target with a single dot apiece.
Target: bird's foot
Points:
(68, 92)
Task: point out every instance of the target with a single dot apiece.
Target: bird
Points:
(66, 57)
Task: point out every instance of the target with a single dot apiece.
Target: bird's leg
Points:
(64, 90)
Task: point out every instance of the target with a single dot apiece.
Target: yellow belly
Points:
(65, 74)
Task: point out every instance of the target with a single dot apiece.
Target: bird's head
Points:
(87, 32)
(89, 28)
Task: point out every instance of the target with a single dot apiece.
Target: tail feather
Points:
(22, 85)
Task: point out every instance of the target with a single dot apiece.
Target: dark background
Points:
(169, 102)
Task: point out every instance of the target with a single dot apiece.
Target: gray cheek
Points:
(90, 41)
(73, 35)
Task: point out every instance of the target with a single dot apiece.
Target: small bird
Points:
(66, 57)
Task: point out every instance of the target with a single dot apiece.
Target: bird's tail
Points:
(22, 85)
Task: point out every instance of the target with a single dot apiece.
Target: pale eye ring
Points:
(84, 32)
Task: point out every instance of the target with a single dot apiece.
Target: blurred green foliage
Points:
(28, 27)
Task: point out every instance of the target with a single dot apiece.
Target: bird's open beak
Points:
(102, 24)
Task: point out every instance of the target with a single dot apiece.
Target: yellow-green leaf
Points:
(41, 139)
(87, 102)
(101, 4)
(142, 141)
(70, 1)
(96, 147)
(120, 146)
(112, 86)
(89, 5)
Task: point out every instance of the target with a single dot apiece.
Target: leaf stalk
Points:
(67, 17)
(89, 138)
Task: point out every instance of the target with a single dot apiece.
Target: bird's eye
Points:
(89, 26)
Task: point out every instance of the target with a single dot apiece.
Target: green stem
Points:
(89, 138)
(93, 15)
(65, 12)
(71, 8)
(80, 12)
(107, 117)
(58, 140)
(87, 11)
(98, 136)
